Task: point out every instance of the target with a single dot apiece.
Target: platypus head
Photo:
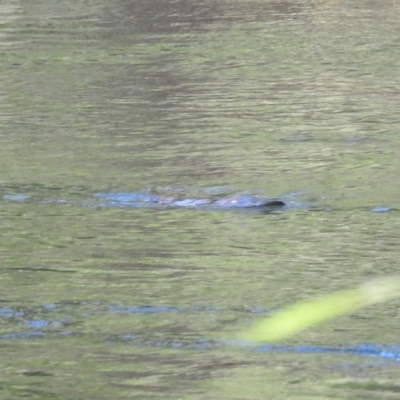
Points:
(272, 203)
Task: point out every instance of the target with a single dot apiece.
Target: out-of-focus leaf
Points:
(308, 313)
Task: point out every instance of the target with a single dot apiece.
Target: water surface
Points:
(273, 98)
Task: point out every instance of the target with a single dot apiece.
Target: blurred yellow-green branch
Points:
(308, 313)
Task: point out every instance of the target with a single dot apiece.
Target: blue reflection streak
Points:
(37, 324)
(10, 313)
(381, 209)
(388, 352)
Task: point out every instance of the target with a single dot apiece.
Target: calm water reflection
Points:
(274, 98)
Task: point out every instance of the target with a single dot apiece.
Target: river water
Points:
(297, 100)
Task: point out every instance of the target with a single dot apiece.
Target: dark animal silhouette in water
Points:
(231, 202)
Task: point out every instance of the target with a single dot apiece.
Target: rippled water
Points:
(281, 99)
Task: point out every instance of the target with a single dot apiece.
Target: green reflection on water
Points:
(265, 97)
